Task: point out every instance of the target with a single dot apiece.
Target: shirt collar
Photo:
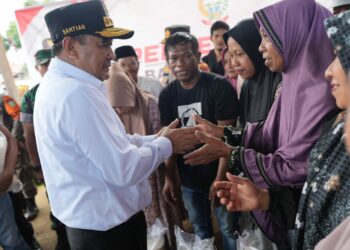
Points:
(69, 70)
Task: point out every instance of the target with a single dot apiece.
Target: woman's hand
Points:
(212, 150)
(240, 194)
(208, 127)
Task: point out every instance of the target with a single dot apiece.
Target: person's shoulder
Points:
(31, 91)
(207, 56)
(169, 90)
(63, 91)
(172, 85)
(212, 78)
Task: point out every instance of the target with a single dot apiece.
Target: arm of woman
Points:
(240, 194)
(10, 160)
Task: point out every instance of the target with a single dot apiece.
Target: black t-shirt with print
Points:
(214, 99)
(215, 66)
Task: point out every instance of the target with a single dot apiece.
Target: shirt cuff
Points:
(165, 145)
(149, 138)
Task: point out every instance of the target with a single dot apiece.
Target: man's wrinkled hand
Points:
(208, 127)
(212, 150)
(182, 139)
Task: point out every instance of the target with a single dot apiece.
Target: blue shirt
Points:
(96, 175)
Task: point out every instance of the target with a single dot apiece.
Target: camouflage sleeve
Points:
(17, 131)
(27, 108)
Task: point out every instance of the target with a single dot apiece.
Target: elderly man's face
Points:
(94, 56)
(130, 64)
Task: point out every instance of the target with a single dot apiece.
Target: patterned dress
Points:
(325, 199)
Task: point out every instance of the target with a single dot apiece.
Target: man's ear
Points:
(69, 45)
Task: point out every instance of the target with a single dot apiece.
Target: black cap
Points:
(124, 51)
(43, 56)
(175, 28)
(81, 18)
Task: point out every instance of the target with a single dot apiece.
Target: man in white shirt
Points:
(128, 60)
(96, 175)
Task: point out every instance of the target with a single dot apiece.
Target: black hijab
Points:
(257, 93)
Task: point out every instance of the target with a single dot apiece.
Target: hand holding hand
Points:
(183, 139)
(240, 194)
(212, 150)
(208, 127)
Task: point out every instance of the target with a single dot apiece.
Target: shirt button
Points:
(320, 156)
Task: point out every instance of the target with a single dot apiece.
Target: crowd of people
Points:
(252, 134)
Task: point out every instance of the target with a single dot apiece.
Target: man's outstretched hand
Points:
(182, 139)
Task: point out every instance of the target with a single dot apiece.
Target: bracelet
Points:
(36, 168)
(234, 165)
(232, 136)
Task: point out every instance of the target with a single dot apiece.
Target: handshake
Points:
(182, 139)
(185, 139)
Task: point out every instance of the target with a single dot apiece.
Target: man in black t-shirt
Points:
(214, 58)
(213, 98)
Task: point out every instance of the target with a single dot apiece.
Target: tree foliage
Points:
(13, 36)
(29, 3)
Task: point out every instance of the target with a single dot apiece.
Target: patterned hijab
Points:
(295, 121)
(325, 200)
(338, 30)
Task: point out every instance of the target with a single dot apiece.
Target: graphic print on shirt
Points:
(185, 112)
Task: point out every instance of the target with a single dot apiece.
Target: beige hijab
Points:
(122, 92)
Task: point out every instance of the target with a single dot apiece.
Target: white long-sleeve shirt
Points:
(96, 175)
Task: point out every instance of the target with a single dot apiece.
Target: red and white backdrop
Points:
(148, 19)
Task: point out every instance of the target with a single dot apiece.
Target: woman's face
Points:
(273, 59)
(339, 83)
(229, 69)
(240, 60)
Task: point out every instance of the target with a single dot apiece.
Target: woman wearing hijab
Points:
(138, 110)
(230, 72)
(325, 199)
(274, 153)
(258, 91)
